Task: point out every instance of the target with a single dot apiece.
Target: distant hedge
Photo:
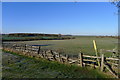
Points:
(30, 35)
(32, 38)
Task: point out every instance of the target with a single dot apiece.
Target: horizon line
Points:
(61, 34)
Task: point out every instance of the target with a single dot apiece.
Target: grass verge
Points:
(29, 67)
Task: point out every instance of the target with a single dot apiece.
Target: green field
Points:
(24, 67)
(74, 46)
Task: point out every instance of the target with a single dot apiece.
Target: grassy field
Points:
(16, 66)
(74, 46)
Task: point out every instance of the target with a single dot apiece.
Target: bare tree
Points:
(116, 3)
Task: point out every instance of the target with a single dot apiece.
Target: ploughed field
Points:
(80, 43)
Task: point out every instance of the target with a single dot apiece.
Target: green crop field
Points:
(74, 46)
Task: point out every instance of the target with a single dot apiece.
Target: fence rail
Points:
(51, 55)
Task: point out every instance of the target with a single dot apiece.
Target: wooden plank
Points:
(70, 59)
(90, 56)
(112, 59)
(63, 57)
(89, 60)
(73, 61)
(55, 53)
(113, 63)
(111, 71)
(92, 65)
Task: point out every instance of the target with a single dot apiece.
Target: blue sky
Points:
(82, 18)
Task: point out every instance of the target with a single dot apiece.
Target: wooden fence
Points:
(106, 63)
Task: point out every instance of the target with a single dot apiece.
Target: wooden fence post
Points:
(53, 55)
(38, 50)
(20, 47)
(59, 58)
(25, 46)
(66, 58)
(102, 62)
(62, 60)
(45, 55)
(42, 55)
(81, 59)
